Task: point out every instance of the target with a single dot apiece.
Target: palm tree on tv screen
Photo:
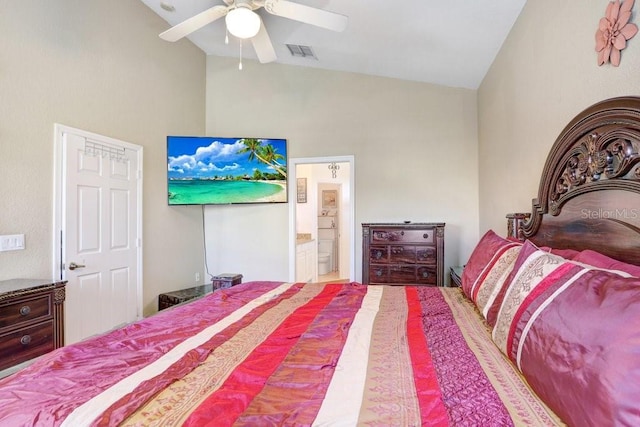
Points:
(265, 153)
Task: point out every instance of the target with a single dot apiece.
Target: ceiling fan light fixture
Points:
(243, 22)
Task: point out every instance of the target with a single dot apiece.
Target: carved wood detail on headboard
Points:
(591, 183)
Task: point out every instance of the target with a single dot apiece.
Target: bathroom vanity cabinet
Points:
(306, 260)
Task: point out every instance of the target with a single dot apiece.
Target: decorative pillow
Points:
(599, 260)
(488, 266)
(493, 279)
(535, 272)
(573, 333)
(490, 311)
(586, 257)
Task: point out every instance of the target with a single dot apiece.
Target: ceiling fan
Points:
(244, 23)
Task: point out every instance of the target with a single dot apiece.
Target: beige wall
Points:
(98, 66)
(545, 74)
(414, 144)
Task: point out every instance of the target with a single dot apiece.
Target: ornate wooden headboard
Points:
(589, 194)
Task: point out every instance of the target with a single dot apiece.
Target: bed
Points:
(545, 329)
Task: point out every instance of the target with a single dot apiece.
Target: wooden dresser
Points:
(403, 253)
(31, 319)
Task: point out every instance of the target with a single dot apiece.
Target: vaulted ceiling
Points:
(451, 43)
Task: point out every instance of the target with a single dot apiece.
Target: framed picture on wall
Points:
(302, 190)
(329, 199)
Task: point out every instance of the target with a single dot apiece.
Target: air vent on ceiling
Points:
(301, 51)
(167, 6)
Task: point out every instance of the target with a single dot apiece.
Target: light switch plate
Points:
(11, 242)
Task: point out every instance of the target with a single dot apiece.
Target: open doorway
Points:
(322, 219)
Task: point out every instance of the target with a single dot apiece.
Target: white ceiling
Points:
(445, 42)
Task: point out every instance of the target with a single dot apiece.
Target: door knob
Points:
(73, 266)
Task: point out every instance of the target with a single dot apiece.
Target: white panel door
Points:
(100, 233)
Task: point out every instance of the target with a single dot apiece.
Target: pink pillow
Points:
(599, 260)
(573, 333)
(487, 264)
(564, 253)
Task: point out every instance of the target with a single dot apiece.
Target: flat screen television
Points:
(222, 171)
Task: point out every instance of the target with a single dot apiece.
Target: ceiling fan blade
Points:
(309, 15)
(263, 46)
(194, 23)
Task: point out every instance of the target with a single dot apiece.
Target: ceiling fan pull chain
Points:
(226, 35)
(240, 64)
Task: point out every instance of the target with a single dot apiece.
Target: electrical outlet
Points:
(197, 277)
(11, 242)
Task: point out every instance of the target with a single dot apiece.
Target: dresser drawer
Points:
(26, 309)
(402, 254)
(379, 254)
(407, 254)
(392, 274)
(427, 275)
(379, 274)
(403, 274)
(19, 346)
(412, 254)
(426, 255)
(426, 236)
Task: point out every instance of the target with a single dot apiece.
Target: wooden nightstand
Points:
(31, 319)
(456, 276)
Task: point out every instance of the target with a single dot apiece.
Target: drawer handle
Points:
(402, 233)
(25, 340)
(25, 310)
(425, 236)
(378, 254)
(427, 253)
(378, 273)
(425, 274)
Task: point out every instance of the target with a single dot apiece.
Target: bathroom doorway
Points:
(322, 220)
(329, 230)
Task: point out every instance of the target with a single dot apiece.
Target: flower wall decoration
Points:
(613, 32)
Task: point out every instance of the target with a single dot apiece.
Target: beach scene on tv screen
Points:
(209, 170)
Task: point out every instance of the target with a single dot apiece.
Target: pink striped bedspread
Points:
(271, 353)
